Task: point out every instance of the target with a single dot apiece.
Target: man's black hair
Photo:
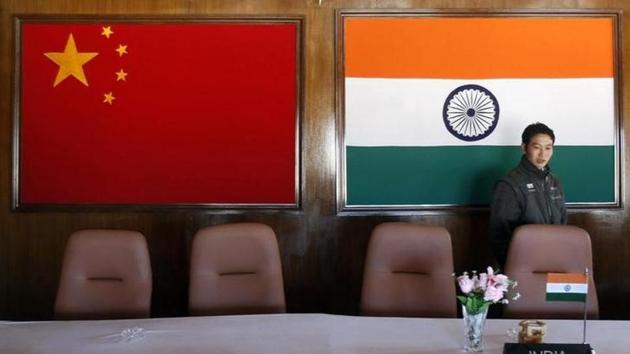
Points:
(534, 129)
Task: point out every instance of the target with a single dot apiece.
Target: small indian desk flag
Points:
(566, 287)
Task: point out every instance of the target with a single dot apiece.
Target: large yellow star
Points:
(70, 62)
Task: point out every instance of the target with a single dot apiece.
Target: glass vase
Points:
(473, 330)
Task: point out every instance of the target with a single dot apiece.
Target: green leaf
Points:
(474, 304)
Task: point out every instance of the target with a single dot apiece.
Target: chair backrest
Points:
(409, 272)
(536, 250)
(105, 274)
(235, 269)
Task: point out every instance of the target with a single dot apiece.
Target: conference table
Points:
(286, 333)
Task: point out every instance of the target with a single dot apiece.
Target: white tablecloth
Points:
(287, 333)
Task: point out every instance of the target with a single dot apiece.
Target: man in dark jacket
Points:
(529, 194)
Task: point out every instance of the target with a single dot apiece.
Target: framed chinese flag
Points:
(194, 112)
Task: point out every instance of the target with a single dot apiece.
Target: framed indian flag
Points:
(431, 105)
(157, 112)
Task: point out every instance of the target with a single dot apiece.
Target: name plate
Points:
(546, 348)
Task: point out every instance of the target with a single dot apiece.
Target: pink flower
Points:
(493, 294)
(501, 281)
(490, 272)
(465, 283)
(483, 281)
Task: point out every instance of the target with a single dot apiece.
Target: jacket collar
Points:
(532, 170)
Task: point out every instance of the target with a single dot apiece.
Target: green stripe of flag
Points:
(466, 175)
(566, 297)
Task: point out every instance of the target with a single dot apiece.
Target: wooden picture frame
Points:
(149, 113)
(404, 76)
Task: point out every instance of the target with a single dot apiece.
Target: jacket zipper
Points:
(547, 197)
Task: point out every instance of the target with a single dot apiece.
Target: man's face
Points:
(539, 150)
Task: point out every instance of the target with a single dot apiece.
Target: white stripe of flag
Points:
(567, 288)
(408, 112)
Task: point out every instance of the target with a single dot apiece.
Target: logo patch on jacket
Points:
(530, 187)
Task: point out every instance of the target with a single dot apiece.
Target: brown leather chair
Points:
(235, 269)
(105, 274)
(536, 250)
(409, 272)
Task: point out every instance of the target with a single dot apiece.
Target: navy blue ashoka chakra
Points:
(471, 112)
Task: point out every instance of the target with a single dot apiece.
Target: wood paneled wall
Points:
(322, 253)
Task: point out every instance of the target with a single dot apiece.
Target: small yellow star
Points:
(121, 75)
(122, 49)
(107, 31)
(109, 98)
(70, 62)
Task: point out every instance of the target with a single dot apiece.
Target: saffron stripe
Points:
(566, 278)
(498, 47)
